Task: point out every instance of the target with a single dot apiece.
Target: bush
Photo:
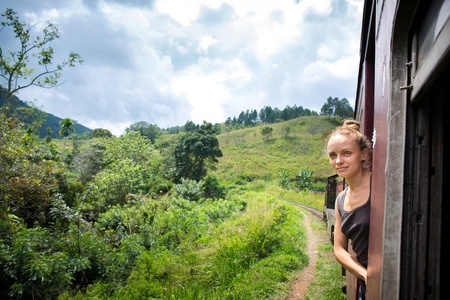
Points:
(32, 268)
(28, 173)
(121, 178)
(189, 189)
(213, 188)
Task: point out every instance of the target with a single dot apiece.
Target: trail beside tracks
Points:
(306, 276)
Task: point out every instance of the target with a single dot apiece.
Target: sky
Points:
(169, 61)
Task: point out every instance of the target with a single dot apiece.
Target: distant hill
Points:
(292, 146)
(51, 121)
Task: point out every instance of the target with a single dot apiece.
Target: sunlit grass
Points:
(328, 279)
(251, 254)
(245, 151)
(311, 198)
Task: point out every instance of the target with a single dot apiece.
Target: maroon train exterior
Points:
(402, 95)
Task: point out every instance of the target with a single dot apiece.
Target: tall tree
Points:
(190, 127)
(147, 130)
(194, 150)
(100, 132)
(66, 128)
(337, 108)
(15, 70)
(343, 109)
(48, 138)
(329, 106)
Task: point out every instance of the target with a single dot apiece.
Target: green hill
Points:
(294, 145)
(51, 121)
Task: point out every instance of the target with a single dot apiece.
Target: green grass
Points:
(328, 278)
(314, 199)
(253, 253)
(246, 153)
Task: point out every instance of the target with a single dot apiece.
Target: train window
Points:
(430, 45)
(431, 26)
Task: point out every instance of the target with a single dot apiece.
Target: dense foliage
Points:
(116, 240)
(102, 225)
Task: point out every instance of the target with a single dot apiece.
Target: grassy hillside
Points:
(249, 155)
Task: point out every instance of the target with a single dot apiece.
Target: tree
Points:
(194, 150)
(66, 128)
(337, 108)
(147, 130)
(266, 132)
(15, 70)
(89, 160)
(286, 130)
(117, 167)
(100, 132)
(343, 109)
(190, 127)
(266, 115)
(329, 106)
(284, 178)
(304, 179)
(48, 138)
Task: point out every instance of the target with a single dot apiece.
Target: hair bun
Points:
(352, 125)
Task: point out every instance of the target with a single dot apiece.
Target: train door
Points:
(423, 252)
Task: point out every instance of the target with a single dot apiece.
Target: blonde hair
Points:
(352, 128)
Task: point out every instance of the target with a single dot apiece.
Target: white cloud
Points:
(206, 87)
(205, 43)
(200, 60)
(343, 68)
(58, 16)
(116, 128)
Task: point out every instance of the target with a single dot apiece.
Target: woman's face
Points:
(345, 155)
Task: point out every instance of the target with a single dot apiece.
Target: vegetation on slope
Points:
(105, 236)
(293, 145)
(98, 229)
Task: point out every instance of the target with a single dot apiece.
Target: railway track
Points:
(317, 212)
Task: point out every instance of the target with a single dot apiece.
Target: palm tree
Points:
(66, 128)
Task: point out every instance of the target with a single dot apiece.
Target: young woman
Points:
(348, 151)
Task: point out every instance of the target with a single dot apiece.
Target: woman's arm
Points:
(341, 251)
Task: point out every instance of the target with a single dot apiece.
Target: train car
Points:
(401, 98)
(334, 186)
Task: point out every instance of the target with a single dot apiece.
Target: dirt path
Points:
(303, 280)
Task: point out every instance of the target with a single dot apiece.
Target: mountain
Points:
(51, 121)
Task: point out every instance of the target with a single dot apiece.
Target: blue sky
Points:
(169, 61)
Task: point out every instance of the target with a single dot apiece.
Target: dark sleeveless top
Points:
(355, 225)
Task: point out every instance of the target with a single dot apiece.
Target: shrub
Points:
(121, 178)
(32, 267)
(213, 188)
(189, 189)
(27, 175)
(284, 178)
(304, 179)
